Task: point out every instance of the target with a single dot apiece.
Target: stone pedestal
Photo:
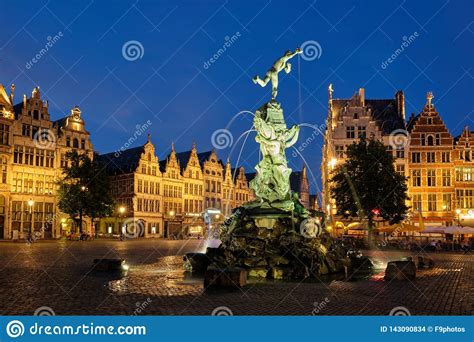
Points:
(225, 277)
(400, 270)
(271, 243)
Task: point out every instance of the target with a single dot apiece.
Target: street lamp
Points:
(30, 204)
(121, 211)
(81, 209)
(458, 213)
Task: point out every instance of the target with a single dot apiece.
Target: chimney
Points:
(400, 100)
(362, 97)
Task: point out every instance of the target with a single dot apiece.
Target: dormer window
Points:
(35, 114)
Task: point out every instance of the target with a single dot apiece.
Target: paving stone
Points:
(58, 274)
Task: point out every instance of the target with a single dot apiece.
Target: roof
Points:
(384, 112)
(204, 156)
(18, 109)
(183, 158)
(121, 162)
(411, 122)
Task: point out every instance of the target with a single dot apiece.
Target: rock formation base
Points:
(272, 243)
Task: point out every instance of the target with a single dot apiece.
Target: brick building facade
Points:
(439, 167)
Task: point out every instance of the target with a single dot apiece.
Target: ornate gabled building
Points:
(137, 189)
(31, 148)
(354, 118)
(463, 178)
(169, 197)
(438, 167)
(430, 166)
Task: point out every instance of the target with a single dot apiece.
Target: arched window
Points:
(430, 140)
(75, 143)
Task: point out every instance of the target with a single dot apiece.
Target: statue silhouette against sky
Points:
(272, 73)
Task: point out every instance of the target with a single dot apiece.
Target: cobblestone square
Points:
(58, 275)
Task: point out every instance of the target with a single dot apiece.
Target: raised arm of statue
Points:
(293, 54)
(292, 136)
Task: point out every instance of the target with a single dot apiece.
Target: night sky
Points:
(186, 100)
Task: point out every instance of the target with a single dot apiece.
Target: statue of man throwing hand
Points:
(272, 73)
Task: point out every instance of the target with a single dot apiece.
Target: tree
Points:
(366, 185)
(85, 188)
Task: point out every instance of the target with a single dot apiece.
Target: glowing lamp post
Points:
(458, 215)
(30, 205)
(121, 210)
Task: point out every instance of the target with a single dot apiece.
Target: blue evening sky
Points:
(186, 101)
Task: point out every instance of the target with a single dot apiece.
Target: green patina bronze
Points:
(274, 236)
(272, 182)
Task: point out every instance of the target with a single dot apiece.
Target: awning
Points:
(458, 230)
